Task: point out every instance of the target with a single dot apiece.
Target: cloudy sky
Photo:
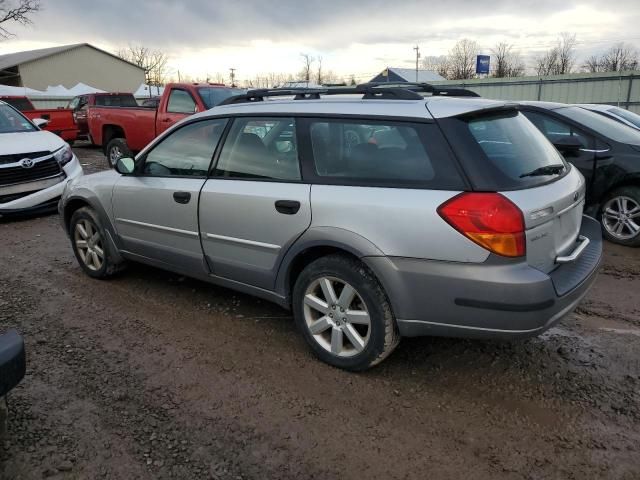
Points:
(354, 37)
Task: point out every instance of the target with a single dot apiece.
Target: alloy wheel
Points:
(115, 154)
(337, 317)
(89, 244)
(621, 217)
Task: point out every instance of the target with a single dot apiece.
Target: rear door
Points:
(156, 210)
(515, 159)
(180, 104)
(255, 205)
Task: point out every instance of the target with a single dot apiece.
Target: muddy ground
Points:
(153, 375)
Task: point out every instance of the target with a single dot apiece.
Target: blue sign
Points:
(482, 63)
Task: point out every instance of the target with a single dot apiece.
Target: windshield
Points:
(212, 96)
(518, 154)
(11, 121)
(630, 117)
(608, 127)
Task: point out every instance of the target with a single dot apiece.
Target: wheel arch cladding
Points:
(316, 243)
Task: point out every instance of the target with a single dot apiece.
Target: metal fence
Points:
(620, 89)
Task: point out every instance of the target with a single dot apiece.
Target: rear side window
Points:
(556, 130)
(503, 151)
(260, 149)
(115, 101)
(21, 104)
(381, 153)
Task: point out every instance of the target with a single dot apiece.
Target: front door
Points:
(255, 205)
(156, 210)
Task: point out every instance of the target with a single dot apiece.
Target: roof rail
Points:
(426, 88)
(382, 90)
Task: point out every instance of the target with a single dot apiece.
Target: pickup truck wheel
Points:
(344, 314)
(620, 216)
(116, 149)
(89, 242)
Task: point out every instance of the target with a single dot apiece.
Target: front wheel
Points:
(89, 242)
(620, 216)
(117, 149)
(344, 314)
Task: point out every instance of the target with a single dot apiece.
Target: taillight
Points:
(489, 219)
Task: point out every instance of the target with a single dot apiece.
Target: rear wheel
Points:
(116, 149)
(620, 216)
(343, 313)
(89, 242)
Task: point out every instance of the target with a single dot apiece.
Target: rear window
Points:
(116, 101)
(382, 153)
(22, 104)
(212, 96)
(504, 151)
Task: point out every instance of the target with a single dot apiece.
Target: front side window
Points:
(11, 121)
(187, 151)
(260, 148)
(180, 101)
(381, 153)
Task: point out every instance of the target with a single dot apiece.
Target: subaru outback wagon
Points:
(373, 217)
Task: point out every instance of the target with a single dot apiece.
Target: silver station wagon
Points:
(373, 213)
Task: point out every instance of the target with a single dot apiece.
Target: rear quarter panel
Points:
(399, 222)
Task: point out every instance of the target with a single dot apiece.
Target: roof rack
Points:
(372, 90)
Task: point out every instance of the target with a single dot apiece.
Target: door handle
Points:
(288, 207)
(166, 120)
(182, 197)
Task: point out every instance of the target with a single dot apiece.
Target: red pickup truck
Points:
(122, 131)
(59, 120)
(81, 103)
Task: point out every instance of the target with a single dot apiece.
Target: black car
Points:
(12, 370)
(607, 153)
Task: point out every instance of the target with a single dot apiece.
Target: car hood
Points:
(27, 142)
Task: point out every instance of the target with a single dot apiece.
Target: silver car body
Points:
(438, 281)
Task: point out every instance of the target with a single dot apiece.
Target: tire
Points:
(376, 340)
(91, 248)
(620, 216)
(116, 149)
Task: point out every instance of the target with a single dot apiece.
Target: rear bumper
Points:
(12, 361)
(44, 199)
(495, 299)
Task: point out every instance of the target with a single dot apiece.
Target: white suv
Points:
(371, 217)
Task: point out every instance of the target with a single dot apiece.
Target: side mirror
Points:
(568, 145)
(40, 122)
(125, 165)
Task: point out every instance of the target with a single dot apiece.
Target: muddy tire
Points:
(344, 314)
(620, 216)
(90, 245)
(116, 149)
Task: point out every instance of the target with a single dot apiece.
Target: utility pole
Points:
(233, 76)
(417, 49)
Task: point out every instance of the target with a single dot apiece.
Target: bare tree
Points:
(307, 64)
(438, 64)
(506, 61)
(592, 64)
(619, 58)
(560, 59)
(16, 12)
(154, 62)
(462, 59)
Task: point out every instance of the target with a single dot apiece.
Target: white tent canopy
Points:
(7, 91)
(79, 89)
(143, 91)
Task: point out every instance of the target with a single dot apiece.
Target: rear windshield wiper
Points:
(546, 170)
